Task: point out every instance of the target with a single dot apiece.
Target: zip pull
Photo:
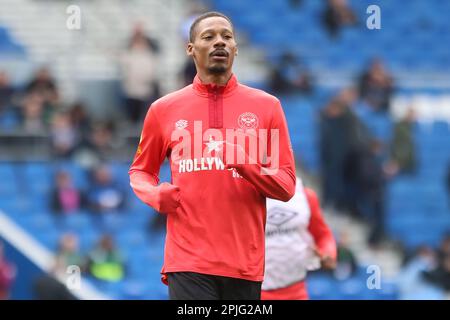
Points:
(215, 111)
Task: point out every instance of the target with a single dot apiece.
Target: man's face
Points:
(213, 47)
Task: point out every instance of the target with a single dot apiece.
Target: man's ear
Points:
(190, 49)
(237, 50)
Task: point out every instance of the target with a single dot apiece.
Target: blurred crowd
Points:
(37, 109)
(104, 262)
(103, 195)
(426, 272)
(355, 164)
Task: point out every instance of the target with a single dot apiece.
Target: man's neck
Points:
(218, 79)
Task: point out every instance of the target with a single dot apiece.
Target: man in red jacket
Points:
(229, 149)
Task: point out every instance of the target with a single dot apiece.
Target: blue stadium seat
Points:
(36, 222)
(353, 289)
(388, 291)
(50, 238)
(131, 239)
(76, 221)
(134, 290)
(322, 287)
(112, 222)
(164, 173)
(9, 186)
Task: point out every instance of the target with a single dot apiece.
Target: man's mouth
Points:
(219, 55)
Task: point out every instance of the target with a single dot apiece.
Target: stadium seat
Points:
(322, 287)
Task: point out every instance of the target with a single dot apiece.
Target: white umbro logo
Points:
(279, 216)
(181, 124)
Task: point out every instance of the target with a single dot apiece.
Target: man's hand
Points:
(169, 198)
(326, 261)
(240, 157)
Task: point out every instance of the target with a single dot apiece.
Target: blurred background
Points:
(368, 113)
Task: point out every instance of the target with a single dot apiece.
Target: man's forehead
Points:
(212, 23)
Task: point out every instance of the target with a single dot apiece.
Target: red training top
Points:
(217, 225)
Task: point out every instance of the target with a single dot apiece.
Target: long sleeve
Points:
(150, 155)
(323, 237)
(274, 180)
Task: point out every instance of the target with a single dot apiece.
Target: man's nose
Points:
(220, 42)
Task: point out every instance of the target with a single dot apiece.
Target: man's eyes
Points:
(209, 37)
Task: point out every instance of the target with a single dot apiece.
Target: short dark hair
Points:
(205, 16)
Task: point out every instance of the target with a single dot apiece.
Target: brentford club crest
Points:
(181, 124)
(248, 120)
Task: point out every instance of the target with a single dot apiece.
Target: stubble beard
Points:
(217, 69)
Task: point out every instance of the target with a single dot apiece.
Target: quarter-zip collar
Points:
(215, 94)
(212, 88)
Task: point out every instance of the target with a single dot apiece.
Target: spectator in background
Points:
(423, 255)
(402, 148)
(105, 262)
(196, 8)
(80, 120)
(444, 247)
(139, 80)
(7, 275)
(105, 195)
(32, 114)
(44, 86)
(376, 86)
(334, 120)
(188, 70)
(289, 76)
(66, 198)
(412, 281)
(340, 131)
(98, 147)
(52, 286)
(139, 33)
(338, 14)
(440, 276)
(68, 254)
(64, 137)
(6, 92)
(365, 176)
(347, 265)
(101, 139)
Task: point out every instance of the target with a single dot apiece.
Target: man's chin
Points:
(217, 69)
